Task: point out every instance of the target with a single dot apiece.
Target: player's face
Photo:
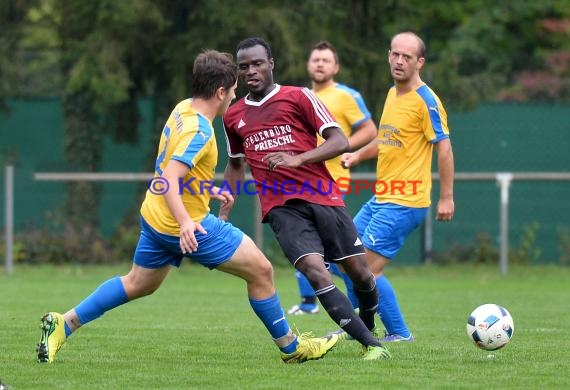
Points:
(256, 70)
(403, 58)
(322, 66)
(230, 95)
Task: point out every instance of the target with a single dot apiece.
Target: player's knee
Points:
(364, 281)
(147, 289)
(359, 272)
(376, 262)
(258, 267)
(137, 288)
(264, 268)
(318, 277)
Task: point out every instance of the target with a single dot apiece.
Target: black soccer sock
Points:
(368, 303)
(340, 310)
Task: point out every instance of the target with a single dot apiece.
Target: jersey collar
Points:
(266, 98)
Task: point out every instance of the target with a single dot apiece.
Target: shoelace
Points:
(311, 343)
(302, 335)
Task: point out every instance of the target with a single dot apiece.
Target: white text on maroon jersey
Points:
(268, 139)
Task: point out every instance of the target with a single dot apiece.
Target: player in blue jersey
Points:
(174, 226)
(412, 125)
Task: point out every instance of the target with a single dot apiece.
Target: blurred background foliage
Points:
(116, 51)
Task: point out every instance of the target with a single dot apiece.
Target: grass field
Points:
(198, 332)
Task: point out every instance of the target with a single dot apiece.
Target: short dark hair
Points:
(212, 70)
(254, 41)
(326, 45)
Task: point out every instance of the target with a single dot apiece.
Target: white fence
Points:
(503, 180)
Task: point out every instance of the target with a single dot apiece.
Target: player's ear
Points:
(336, 69)
(271, 63)
(221, 93)
(421, 62)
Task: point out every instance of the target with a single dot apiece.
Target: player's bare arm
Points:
(445, 205)
(362, 135)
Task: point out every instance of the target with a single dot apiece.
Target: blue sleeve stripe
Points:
(160, 158)
(433, 109)
(200, 139)
(183, 160)
(356, 124)
(359, 102)
(436, 140)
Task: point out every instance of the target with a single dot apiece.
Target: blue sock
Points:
(107, 296)
(271, 313)
(67, 329)
(335, 270)
(388, 308)
(305, 288)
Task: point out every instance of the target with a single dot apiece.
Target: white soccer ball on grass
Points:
(490, 327)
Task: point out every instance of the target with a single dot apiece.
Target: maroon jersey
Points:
(286, 120)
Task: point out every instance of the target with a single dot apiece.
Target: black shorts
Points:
(304, 228)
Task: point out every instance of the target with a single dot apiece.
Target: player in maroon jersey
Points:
(274, 128)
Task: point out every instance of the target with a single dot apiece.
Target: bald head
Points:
(410, 40)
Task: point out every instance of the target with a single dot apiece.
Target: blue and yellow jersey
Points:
(409, 127)
(348, 108)
(187, 137)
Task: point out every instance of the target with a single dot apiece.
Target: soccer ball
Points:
(490, 327)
